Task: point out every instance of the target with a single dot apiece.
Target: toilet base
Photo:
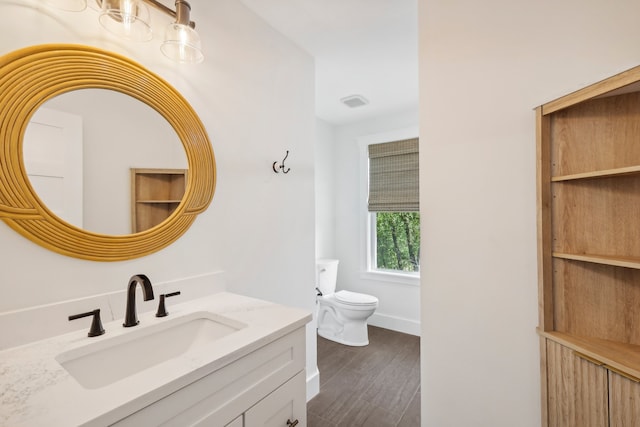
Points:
(336, 338)
(352, 333)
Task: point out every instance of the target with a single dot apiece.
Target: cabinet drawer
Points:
(222, 395)
(287, 403)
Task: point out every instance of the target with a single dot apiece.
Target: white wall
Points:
(255, 96)
(324, 190)
(399, 304)
(484, 67)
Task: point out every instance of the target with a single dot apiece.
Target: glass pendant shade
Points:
(68, 5)
(182, 44)
(128, 19)
(95, 5)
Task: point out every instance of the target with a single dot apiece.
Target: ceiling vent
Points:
(354, 101)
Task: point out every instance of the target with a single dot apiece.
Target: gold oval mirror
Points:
(31, 76)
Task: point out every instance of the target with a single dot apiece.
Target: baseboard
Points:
(395, 323)
(313, 384)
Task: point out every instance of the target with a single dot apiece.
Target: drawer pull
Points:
(624, 374)
(292, 423)
(587, 358)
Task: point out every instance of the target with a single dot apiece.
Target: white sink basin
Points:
(111, 359)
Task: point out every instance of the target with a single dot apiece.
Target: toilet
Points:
(342, 316)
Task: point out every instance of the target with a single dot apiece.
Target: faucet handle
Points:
(162, 310)
(96, 328)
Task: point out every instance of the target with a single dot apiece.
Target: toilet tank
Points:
(326, 275)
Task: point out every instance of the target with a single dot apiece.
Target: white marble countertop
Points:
(35, 390)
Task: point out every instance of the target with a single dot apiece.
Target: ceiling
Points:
(360, 47)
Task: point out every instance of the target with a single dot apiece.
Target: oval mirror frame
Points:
(31, 76)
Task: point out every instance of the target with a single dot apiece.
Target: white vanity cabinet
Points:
(266, 387)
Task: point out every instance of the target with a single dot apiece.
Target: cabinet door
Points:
(282, 407)
(624, 401)
(576, 390)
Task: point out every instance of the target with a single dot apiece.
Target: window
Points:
(393, 203)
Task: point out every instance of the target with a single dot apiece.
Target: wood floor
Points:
(375, 386)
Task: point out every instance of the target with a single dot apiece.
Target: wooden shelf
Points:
(608, 173)
(155, 195)
(159, 201)
(620, 357)
(617, 261)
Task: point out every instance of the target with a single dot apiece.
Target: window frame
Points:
(368, 229)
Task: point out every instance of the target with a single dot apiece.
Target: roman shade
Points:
(393, 176)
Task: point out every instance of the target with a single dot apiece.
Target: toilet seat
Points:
(355, 298)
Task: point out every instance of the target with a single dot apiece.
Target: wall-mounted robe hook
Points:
(276, 167)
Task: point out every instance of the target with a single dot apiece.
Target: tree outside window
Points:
(398, 241)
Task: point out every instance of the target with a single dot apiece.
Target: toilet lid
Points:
(355, 298)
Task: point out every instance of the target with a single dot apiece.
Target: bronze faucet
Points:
(130, 316)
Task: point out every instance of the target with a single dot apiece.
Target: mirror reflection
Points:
(80, 147)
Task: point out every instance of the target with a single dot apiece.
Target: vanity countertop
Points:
(35, 390)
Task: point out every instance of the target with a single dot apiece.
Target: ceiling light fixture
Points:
(130, 19)
(354, 101)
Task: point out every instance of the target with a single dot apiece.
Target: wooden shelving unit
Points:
(589, 254)
(155, 194)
